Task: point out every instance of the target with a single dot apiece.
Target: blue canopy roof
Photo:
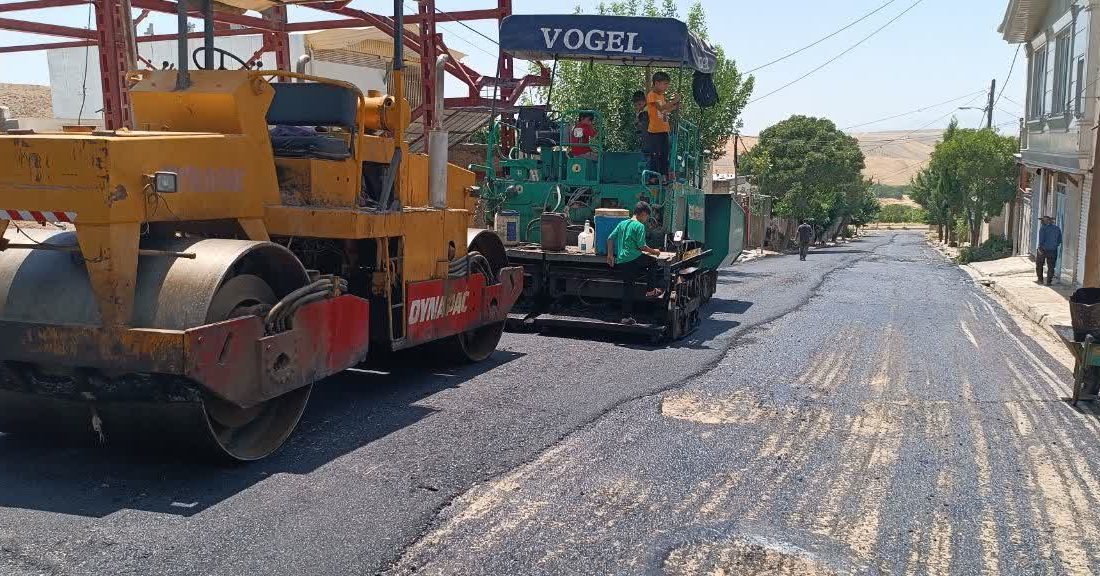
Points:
(628, 40)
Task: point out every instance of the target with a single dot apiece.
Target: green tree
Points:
(924, 189)
(970, 177)
(607, 89)
(900, 213)
(866, 210)
(811, 168)
(981, 165)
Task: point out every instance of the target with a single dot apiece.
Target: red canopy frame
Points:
(115, 40)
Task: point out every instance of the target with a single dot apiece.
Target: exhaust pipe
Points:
(438, 142)
(300, 65)
(183, 77)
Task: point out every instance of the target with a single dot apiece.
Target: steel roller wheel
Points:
(227, 279)
(477, 344)
(249, 433)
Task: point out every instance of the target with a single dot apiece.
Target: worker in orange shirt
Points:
(659, 106)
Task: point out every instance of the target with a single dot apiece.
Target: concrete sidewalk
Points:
(1013, 279)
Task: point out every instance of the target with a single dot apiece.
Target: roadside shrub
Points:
(962, 229)
(995, 248)
(900, 213)
(888, 191)
(848, 232)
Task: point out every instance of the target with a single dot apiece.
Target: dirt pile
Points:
(26, 100)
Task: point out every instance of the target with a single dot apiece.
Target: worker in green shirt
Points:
(627, 251)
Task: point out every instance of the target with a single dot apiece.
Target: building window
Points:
(1079, 89)
(1060, 100)
(1038, 82)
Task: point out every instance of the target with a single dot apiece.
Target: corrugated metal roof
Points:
(460, 124)
(368, 40)
(1022, 20)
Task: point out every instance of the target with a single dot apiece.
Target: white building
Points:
(361, 56)
(1061, 41)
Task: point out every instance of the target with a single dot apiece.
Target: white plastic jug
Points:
(586, 239)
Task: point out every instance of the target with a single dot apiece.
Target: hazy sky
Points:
(938, 50)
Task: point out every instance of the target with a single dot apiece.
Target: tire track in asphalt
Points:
(745, 334)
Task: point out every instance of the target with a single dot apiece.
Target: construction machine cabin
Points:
(245, 234)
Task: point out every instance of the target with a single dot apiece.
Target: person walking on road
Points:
(1050, 239)
(627, 252)
(805, 235)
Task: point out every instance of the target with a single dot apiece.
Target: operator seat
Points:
(299, 108)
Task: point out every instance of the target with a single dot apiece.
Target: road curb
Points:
(1021, 306)
(1011, 300)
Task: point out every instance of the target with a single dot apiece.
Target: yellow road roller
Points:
(254, 232)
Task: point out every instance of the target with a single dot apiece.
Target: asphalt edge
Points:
(1008, 298)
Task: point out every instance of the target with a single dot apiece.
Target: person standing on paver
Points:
(627, 252)
(805, 235)
(1050, 239)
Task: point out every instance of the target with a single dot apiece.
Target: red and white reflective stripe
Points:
(36, 216)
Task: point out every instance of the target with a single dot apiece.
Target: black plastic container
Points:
(554, 228)
(1084, 313)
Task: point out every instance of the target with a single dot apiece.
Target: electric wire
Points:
(838, 56)
(921, 109)
(819, 41)
(84, 82)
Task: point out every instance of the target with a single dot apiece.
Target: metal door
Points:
(1060, 220)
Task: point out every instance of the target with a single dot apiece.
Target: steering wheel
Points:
(223, 53)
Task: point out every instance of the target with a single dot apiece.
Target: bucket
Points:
(553, 232)
(1084, 313)
(606, 219)
(506, 225)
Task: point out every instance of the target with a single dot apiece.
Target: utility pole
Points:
(748, 191)
(736, 158)
(989, 108)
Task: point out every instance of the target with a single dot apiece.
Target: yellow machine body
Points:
(214, 136)
(193, 263)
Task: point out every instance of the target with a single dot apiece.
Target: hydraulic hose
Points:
(276, 319)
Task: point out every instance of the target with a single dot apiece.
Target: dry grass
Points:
(904, 201)
(891, 157)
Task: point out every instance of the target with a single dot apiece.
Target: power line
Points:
(950, 112)
(896, 172)
(808, 46)
(911, 165)
(922, 109)
(1008, 77)
(861, 143)
(470, 28)
(838, 56)
(464, 38)
(84, 82)
(469, 42)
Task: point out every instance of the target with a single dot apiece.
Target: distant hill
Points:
(891, 157)
(26, 100)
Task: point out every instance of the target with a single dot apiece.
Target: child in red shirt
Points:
(583, 133)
